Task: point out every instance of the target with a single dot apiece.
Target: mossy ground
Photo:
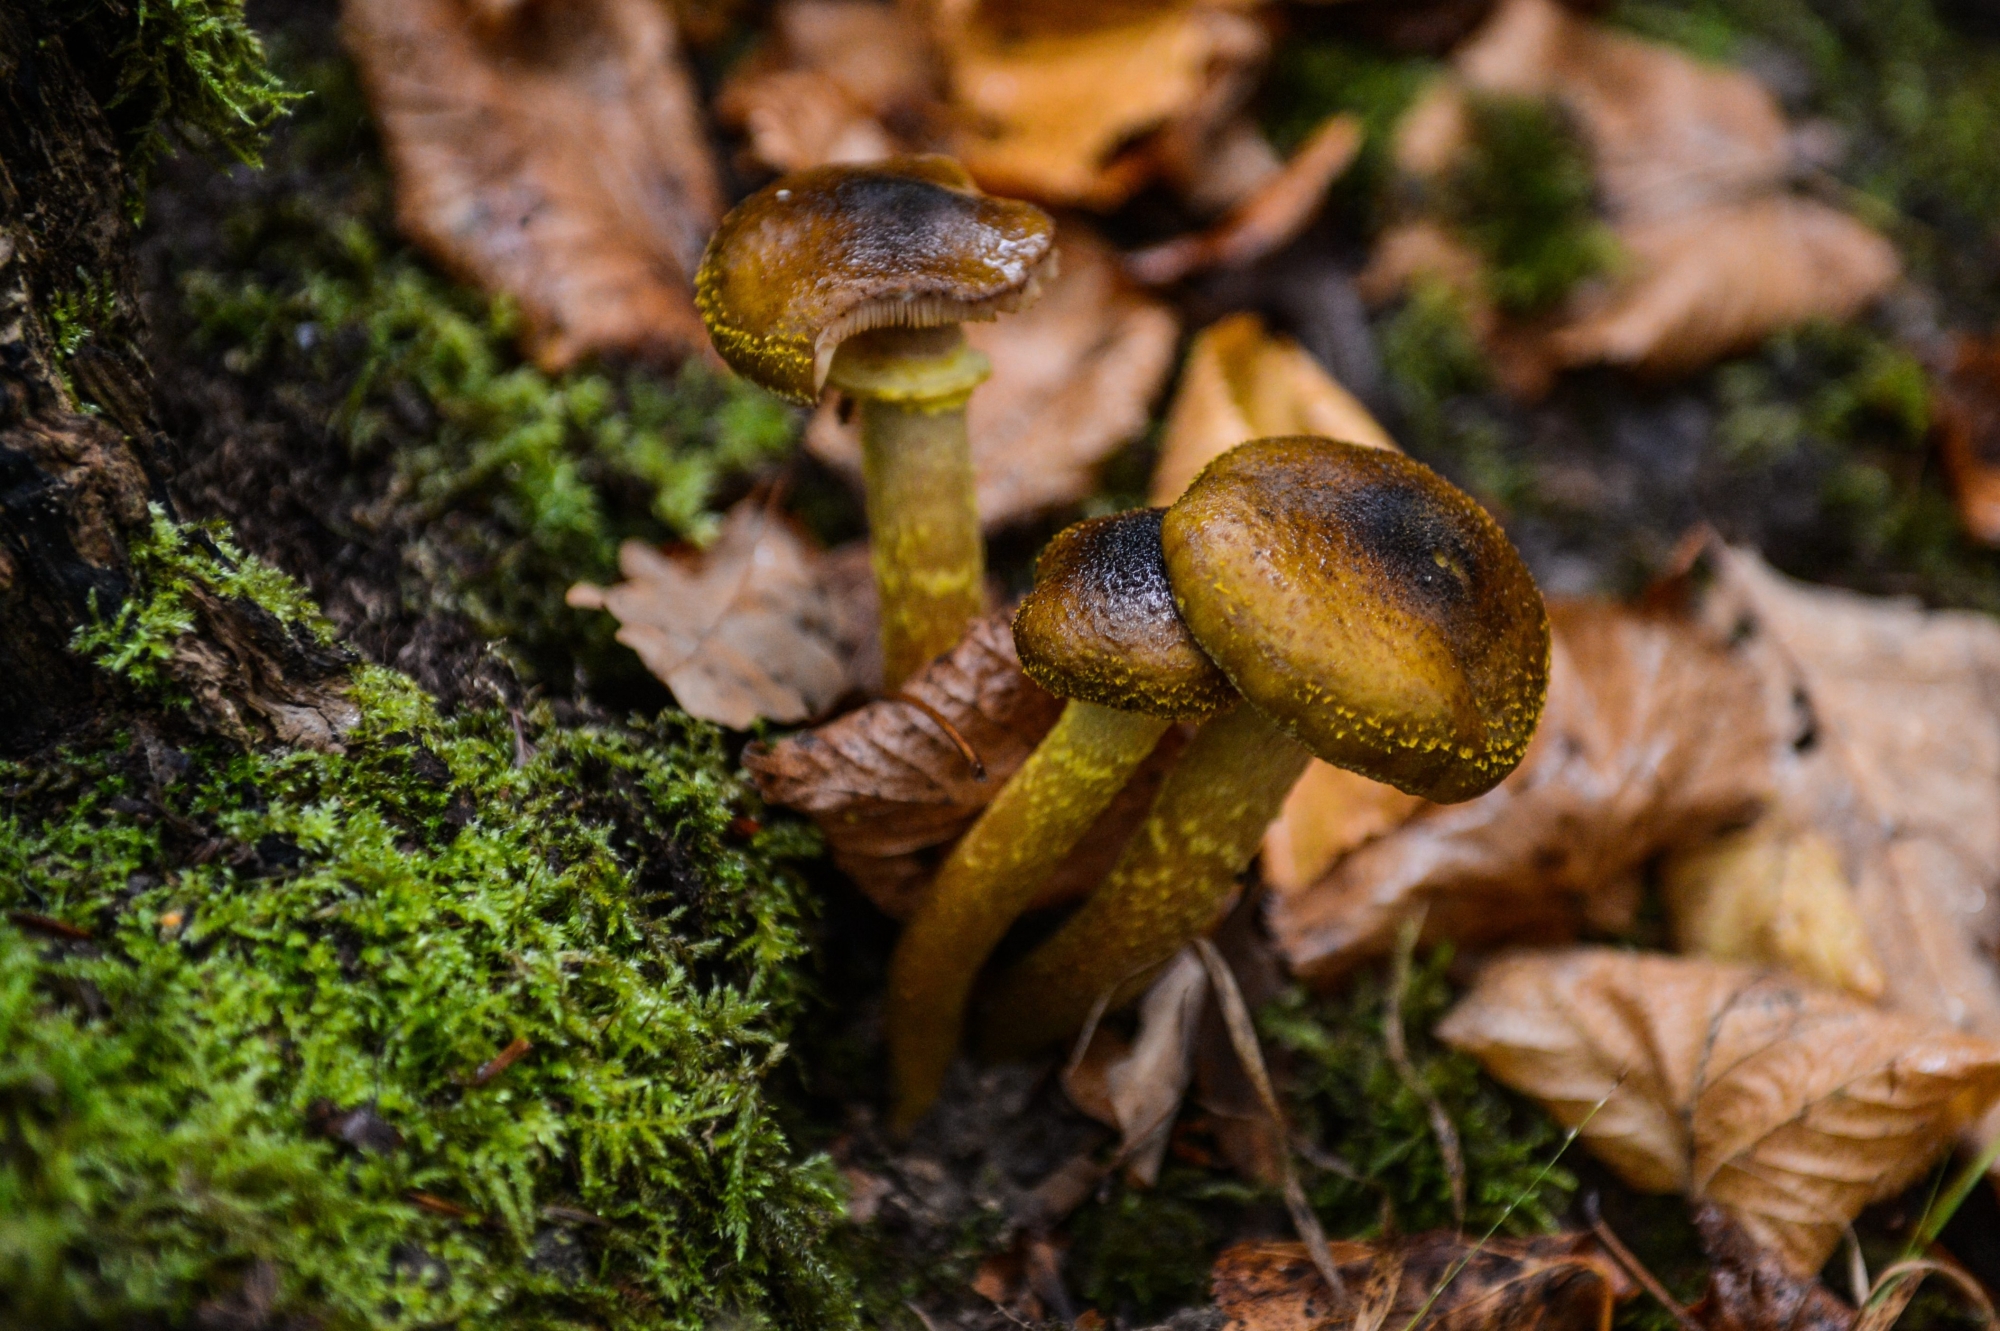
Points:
(363, 932)
(254, 1041)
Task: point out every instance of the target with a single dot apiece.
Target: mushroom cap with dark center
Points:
(1369, 607)
(820, 255)
(1100, 625)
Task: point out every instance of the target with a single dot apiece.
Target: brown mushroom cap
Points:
(1100, 625)
(819, 255)
(1370, 608)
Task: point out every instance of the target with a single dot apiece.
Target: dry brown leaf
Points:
(1560, 1282)
(1136, 1086)
(1967, 406)
(1887, 719)
(831, 80)
(1720, 279)
(1751, 1289)
(1790, 1105)
(1241, 383)
(744, 629)
(1772, 893)
(1074, 376)
(1652, 738)
(1330, 812)
(1692, 163)
(1052, 104)
(889, 785)
(1270, 214)
(553, 153)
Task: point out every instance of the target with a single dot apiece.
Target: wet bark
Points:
(81, 451)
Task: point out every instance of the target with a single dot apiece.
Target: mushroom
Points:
(1099, 629)
(859, 276)
(1369, 612)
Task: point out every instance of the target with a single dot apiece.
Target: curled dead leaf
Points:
(1559, 1282)
(1330, 812)
(1968, 423)
(1241, 382)
(1074, 376)
(553, 154)
(1789, 1105)
(1651, 738)
(1772, 893)
(744, 629)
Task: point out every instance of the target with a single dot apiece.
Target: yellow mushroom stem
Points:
(993, 874)
(1174, 878)
(923, 511)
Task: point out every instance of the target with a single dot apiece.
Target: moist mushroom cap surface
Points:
(819, 255)
(1100, 625)
(1371, 609)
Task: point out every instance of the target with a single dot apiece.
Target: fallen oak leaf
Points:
(1789, 1105)
(1434, 1281)
(742, 630)
(1074, 376)
(569, 174)
(1653, 737)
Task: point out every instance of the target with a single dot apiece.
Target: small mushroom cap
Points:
(1100, 625)
(820, 255)
(1369, 607)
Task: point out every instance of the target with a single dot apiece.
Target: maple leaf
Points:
(1789, 1105)
(744, 629)
(553, 154)
(1691, 164)
(1652, 738)
(1435, 1281)
(1074, 376)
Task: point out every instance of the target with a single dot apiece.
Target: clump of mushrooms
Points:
(1099, 629)
(859, 277)
(1368, 612)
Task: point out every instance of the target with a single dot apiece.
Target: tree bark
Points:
(81, 452)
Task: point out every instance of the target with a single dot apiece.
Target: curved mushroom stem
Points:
(992, 876)
(1168, 886)
(923, 513)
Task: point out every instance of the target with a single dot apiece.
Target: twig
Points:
(958, 741)
(1394, 1039)
(49, 924)
(503, 1060)
(1635, 1268)
(1243, 1037)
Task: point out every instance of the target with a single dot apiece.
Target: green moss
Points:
(284, 944)
(1145, 1253)
(512, 484)
(1525, 197)
(1439, 375)
(1349, 1097)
